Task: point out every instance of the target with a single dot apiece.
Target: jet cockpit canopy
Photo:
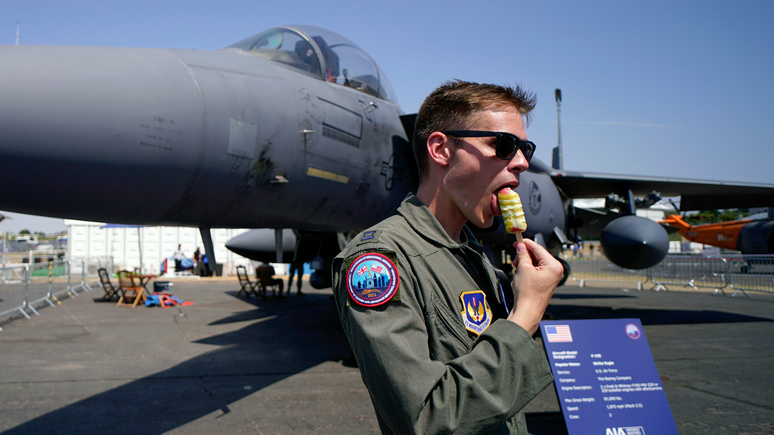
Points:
(321, 53)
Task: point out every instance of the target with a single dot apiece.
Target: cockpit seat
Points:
(306, 53)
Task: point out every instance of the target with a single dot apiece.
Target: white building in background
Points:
(153, 244)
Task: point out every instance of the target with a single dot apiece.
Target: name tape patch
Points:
(369, 237)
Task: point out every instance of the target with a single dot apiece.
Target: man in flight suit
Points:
(438, 347)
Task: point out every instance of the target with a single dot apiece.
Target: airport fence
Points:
(26, 288)
(738, 274)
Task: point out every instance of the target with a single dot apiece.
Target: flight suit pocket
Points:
(450, 338)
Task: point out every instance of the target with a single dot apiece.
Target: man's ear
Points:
(439, 148)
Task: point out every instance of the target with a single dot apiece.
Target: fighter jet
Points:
(294, 128)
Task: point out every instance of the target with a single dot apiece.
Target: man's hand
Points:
(536, 277)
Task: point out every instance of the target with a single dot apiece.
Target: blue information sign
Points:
(605, 378)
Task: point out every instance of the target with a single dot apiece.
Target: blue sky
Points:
(662, 88)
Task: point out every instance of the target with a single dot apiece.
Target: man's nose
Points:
(518, 163)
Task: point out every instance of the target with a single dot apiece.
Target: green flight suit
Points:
(425, 372)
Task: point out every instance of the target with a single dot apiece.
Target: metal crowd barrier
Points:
(741, 273)
(751, 273)
(599, 268)
(690, 270)
(25, 288)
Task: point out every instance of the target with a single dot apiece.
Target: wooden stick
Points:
(518, 237)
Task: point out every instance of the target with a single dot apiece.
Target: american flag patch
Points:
(558, 333)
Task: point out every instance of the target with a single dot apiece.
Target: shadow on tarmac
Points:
(284, 338)
(546, 423)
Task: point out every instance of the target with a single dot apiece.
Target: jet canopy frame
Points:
(323, 54)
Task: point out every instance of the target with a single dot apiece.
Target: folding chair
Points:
(130, 289)
(266, 280)
(110, 291)
(248, 286)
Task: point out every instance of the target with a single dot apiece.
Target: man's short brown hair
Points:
(456, 104)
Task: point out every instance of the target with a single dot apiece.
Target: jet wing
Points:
(694, 194)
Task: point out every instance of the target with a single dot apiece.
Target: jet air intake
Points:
(633, 242)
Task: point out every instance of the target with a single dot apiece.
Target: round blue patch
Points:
(372, 280)
(632, 331)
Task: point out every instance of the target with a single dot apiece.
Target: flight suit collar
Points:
(421, 220)
(424, 223)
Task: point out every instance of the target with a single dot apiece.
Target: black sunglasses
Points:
(507, 144)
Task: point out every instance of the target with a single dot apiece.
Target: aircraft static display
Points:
(293, 128)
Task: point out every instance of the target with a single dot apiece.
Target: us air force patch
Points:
(372, 279)
(475, 314)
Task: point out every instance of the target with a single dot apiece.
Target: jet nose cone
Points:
(78, 122)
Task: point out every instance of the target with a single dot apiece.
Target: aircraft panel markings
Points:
(326, 175)
(242, 137)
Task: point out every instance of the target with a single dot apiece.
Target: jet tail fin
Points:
(556, 159)
(408, 122)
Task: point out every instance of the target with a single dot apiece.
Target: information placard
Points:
(605, 378)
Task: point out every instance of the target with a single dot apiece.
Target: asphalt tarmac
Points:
(227, 365)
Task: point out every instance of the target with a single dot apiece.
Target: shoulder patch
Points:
(372, 279)
(475, 313)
